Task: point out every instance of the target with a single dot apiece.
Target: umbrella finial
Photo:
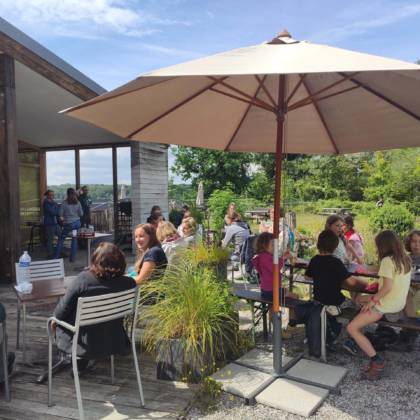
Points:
(283, 37)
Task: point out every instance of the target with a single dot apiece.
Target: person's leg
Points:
(354, 328)
(49, 230)
(65, 231)
(73, 251)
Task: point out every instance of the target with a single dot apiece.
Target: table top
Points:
(354, 269)
(97, 235)
(45, 289)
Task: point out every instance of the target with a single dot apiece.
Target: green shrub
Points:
(218, 204)
(395, 217)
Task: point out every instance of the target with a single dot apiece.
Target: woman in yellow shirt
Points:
(394, 283)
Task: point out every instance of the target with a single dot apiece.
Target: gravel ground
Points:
(395, 396)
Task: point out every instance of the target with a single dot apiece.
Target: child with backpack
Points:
(394, 282)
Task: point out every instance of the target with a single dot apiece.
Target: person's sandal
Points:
(372, 372)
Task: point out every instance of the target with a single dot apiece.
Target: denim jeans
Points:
(68, 228)
(50, 232)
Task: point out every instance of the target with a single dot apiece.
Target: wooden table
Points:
(41, 289)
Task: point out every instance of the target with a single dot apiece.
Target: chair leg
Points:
(18, 325)
(24, 332)
(5, 366)
(324, 334)
(77, 385)
(112, 370)
(136, 365)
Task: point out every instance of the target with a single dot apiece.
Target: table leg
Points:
(291, 279)
(88, 252)
(24, 332)
(18, 325)
(264, 315)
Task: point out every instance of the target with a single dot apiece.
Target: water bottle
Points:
(24, 263)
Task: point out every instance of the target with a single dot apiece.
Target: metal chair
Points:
(39, 270)
(92, 311)
(3, 341)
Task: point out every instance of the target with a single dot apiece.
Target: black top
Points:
(95, 341)
(157, 255)
(328, 274)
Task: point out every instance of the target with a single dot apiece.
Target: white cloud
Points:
(358, 27)
(87, 18)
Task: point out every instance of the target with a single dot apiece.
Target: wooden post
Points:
(9, 173)
(42, 175)
(77, 167)
(115, 189)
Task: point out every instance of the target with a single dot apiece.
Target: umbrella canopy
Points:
(337, 101)
(199, 201)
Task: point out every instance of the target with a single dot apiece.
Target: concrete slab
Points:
(318, 372)
(293, 397)
(241, 381)
(260, 359)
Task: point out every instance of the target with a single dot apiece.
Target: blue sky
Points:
(113, 41)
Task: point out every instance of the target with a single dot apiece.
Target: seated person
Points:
(10, 356)
(284, 229)
(394, 283)
(189, 231)
(105, 275)
(353, 237)
(236, 232)
(151, 259)
(329, 276)
(171, 242)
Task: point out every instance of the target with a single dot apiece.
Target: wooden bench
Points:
(260, 306)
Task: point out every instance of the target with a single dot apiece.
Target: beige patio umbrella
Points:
(280, 96)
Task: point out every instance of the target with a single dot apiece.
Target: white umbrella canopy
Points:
(199, 201)
(337, 101)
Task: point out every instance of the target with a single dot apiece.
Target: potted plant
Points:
(192, 324)
(213, 257)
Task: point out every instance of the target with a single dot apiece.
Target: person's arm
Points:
(228, 237)
(68, 303)
(145, 271)
(351, 250)
(79, 210)
(383, 291)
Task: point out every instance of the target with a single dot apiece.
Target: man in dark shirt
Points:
(86, 203)
(328, 273)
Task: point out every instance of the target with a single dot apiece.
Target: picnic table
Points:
(340, 211)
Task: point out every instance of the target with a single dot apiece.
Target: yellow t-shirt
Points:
(395, 300)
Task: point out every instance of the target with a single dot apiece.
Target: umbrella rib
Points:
(261, 84)
(311, 96)
(386, 99)
(267, 92)
(106, 98)
(302, 77)
(321, 117)
(251, 102)
(174, 108)
(262, 103)
(310, 101)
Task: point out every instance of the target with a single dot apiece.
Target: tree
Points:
(216, 169)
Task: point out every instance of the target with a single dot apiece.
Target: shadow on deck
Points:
(164, 399)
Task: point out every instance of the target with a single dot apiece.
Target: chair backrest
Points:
(103, 308)
(44, 270)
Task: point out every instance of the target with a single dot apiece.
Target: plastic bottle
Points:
(24, 263)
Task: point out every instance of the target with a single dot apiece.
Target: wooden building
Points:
(35, 85)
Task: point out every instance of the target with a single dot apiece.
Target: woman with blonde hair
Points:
(151, 259)
(189, 230)
(170, 240)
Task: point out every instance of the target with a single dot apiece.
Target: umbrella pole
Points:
(281, 112)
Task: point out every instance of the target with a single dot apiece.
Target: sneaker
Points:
(373, 371)
(351, 347)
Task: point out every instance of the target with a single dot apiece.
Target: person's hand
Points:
(53, 326)
(368, 306)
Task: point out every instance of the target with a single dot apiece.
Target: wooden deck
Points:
(164, 399)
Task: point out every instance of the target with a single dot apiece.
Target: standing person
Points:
(86, 203)
(394, 282)
(105, 275)
(151, 259)
(155, 210)
(51, 211)
(344, 251)
(70, 214)
(236, 232)
(353, 237)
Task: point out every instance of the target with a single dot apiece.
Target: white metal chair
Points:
(91, 311)
(3, 341)
(39, 270)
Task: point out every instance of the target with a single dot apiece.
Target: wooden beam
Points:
(25, 146)
(9, 173)
(77, 167)
(87, 146)
(27, 57)
(115, 188)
